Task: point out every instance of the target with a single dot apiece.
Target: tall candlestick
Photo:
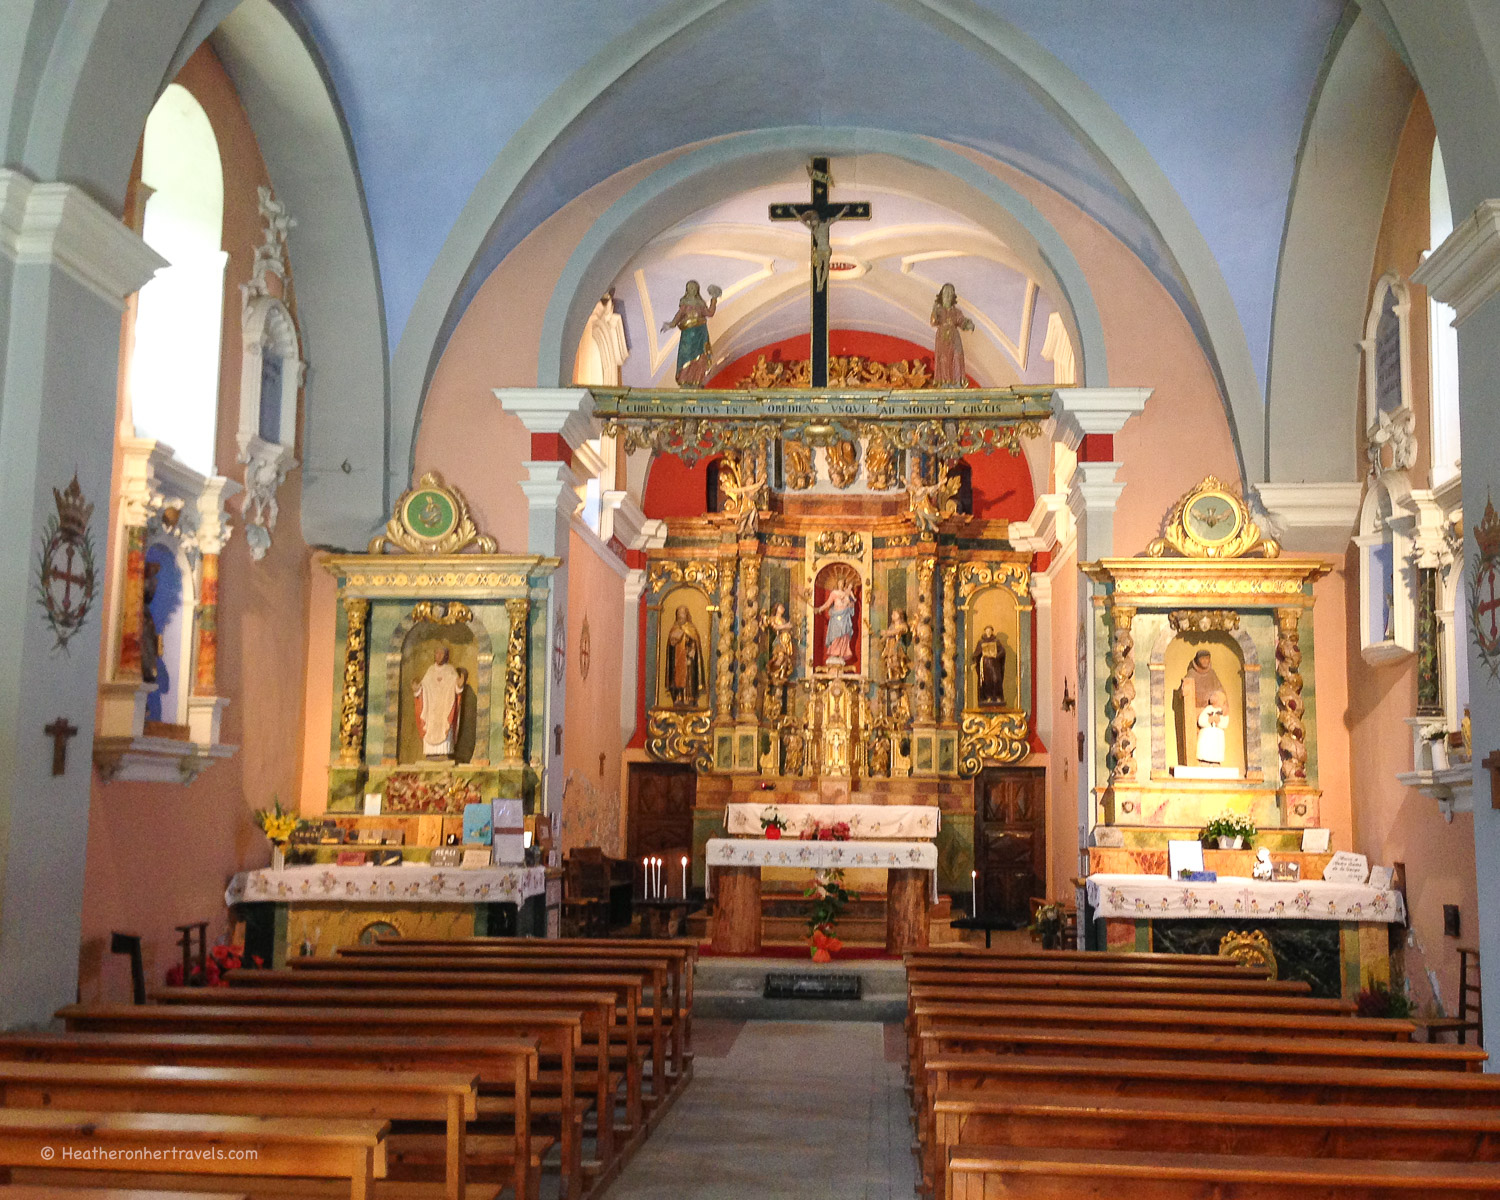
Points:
(974, 894)
(684, 876)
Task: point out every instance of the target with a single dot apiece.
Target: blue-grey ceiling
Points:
(1216, 92)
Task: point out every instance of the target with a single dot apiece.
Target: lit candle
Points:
(645, 879)
(656, 879)
(974, 894)
(684, 876)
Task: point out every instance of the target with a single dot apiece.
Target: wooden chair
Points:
(586, 891)
(1470, 1011)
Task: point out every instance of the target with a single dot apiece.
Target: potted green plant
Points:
(1229, 831)
(1047, 926)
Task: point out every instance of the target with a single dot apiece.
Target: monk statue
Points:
(989, 666)
(438, 700)
(1200, 683)
(948, 344)
(694, 353)
(684, 660)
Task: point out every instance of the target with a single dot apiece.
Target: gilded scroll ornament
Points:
(673, 736)
(518, 610)
(431, 518)
(948, 705)
(797, 465)
(1015, 577)
(352, 693)
(843, 463)
(1122, 694)
(1203, 620)
(995, 739)
(851, 370)
(1250, 948)
(697, 572)
(881, 474)
(839, 541)
(922, 640)
(437, 612)
(749, 653)
(930, 504)
(1212, 522)
(1291, 735)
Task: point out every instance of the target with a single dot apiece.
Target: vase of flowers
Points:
(1229, 830)
(828, 896)
(277, 824)
(772, 825)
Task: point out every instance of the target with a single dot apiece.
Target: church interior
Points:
(730, 598)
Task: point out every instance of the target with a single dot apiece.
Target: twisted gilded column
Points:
(1122, 693)
(724, 652)
(949, 697)
(132, 604)
(519, 612)
(1291, 735)
(922, 641)
(749, 654)
(352, 693)
(206, 661)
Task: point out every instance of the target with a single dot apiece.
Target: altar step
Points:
(784, 921)
(734, 989)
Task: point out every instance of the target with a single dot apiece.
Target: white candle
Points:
(645, 878)
(684, 876)
(656, 879)
(974, 894)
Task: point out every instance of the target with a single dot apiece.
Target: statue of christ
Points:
(437, 706)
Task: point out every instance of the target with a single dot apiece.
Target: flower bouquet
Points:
(838, 831)
(772, 825)
(277, 824)
(1229, 830)
(828, 896)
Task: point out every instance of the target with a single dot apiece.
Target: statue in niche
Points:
(893, 656)
(797, 466)
(948, 344)
(841, 605)
(439, 699)
(843, 463)
(880, 752)
(1200, 685)
(150, 638)
(685, 674)
(782, 660)
(694, 353)
(880, 464)
(988, 661)
(796, 750)
(1211, 722)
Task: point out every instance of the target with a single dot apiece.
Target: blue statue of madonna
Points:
(694, 354)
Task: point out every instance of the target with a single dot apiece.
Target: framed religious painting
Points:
(1213, 517)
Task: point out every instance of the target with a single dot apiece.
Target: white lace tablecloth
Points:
(1141, 897)
(817, 856)
(389, 885)
(874, 822)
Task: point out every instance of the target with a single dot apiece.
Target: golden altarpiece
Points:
(838, 631)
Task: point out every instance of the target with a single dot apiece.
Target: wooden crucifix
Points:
(818, 217)
(60, 731)
(1491, 763)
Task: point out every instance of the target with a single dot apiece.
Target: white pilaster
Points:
(1312, 518)
(1080, 411)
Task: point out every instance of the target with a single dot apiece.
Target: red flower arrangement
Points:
(836, 832)
(824, 946)
(220, 959)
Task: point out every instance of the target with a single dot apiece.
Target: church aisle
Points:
(793, 1110)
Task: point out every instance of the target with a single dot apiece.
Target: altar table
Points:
(739, 862)
(324, 907)
(867, 822)
(1133, 896)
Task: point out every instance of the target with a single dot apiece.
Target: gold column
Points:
(132, 604)
(950, 646)
(352, 696)
(206, 664)
(519, 612)
(1291, 735)
(923, 640)
(1122, 693)
(724, 655)
(749, 692)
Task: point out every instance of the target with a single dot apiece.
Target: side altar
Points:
(434, 762)
(1204, 709)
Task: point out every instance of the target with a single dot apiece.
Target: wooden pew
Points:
(1080, 964)
(596, 1007)
(960, 950)
(21, 1191)
(678, 958)
(503, 1067)
(1070, 996)
(629, 982)
(557, 1034)
(41, 1145)
(447, 1098)
(987, 1173)
(1221, 983)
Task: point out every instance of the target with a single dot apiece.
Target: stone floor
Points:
(783, 1109)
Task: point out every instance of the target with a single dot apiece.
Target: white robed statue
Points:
(437, 706)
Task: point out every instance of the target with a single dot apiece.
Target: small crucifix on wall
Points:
(60, 731)
(1491, 763)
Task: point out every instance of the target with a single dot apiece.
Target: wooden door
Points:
(660, 817)
(1010, 840)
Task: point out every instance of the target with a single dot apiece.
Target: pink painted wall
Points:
(160, 855)
(1393, 823)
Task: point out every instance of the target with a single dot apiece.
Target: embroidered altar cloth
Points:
(389, 885)
(1144, 897)
(818, 856)
(874, 822)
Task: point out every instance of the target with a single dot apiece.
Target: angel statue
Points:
(893, 656)
(948, 346)
(783, 656)
(743, 483)
(694, 354)
(932, 503)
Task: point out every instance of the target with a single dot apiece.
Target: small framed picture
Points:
(446, 856)
(1286, 872)
(1184, 856)
(351, 858)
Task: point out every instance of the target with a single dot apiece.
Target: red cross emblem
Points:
(66, 578)
(1487, 606)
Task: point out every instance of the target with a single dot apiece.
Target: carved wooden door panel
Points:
(660, 819)
(1010, 840)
